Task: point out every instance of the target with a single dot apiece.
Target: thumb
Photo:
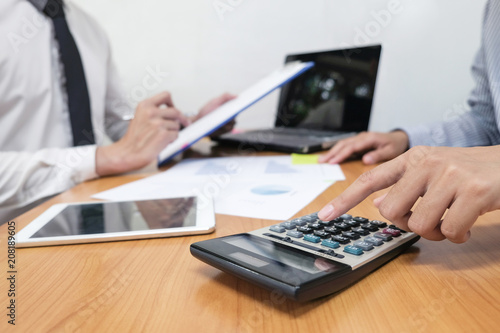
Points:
(379, 200)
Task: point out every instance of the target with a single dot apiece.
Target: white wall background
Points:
(211, 46)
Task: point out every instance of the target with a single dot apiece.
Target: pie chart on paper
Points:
(271, 189)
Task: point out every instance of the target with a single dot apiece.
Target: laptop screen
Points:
(335, 95)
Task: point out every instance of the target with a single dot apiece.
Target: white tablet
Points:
(114, 221)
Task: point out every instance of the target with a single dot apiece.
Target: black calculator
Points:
(306, 258)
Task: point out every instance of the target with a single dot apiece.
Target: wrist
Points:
(401, 137)
(110, 160)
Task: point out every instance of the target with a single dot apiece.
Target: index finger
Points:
(174, 114)
(345, 148)
(163, 98)
(369, 182)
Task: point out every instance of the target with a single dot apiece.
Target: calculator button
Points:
(312, 238)
(369, 227)
(392, 226)
(360, 219)
(277, 228)
(361, 231)
(346, 217)
(353, 250)
(382, 236)
(294, 234)
(338, 219)
(315, 226)
(289, 240)
(288, 225)
(305, 230)
(321, 234)
(333, 231)
(366, 246)
(374, 240)
(325, 223)
(309, 218)
(379, 224)
(350, 235)
(340, 239)
(352, 223)
(392, 232)
(314, 215)
(331, 244)
(342, 226)
(299, 221)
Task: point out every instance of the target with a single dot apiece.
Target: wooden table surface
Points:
(157, 286)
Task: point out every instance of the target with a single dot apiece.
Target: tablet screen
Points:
(99, 218)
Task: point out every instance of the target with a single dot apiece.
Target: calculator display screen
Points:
(279, 261)
(269, 250)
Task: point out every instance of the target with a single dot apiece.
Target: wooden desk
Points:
(157, 286)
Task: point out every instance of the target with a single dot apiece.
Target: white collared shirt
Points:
(37, 159)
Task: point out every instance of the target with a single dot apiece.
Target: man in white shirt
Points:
(37, 156)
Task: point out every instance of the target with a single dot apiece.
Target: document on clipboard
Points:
(226, 112)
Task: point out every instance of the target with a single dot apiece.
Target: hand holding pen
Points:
(206, 109)
(154, 125)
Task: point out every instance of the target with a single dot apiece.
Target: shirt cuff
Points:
(76, 164)
(85, 170)
(417, 135)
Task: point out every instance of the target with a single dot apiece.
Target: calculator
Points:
(307, 258)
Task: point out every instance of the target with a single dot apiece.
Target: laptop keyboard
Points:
(289, 138)
(299, 131)
(298, 140)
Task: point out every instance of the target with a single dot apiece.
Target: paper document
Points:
(217, 118)
(276, 200)
(267, 187)
(254, 167)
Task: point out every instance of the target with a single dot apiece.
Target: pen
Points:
(129, 117)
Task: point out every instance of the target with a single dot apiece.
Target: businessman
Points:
(60, 97)
(453, 166)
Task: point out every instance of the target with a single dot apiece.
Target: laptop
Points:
(330, 102)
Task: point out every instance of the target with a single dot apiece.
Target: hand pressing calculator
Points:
(306, 258)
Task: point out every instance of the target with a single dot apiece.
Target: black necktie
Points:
(76, 86)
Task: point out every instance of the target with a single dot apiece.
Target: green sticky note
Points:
(304, 159)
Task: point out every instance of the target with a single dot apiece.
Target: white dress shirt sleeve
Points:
(116, 105)
(26, 177)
